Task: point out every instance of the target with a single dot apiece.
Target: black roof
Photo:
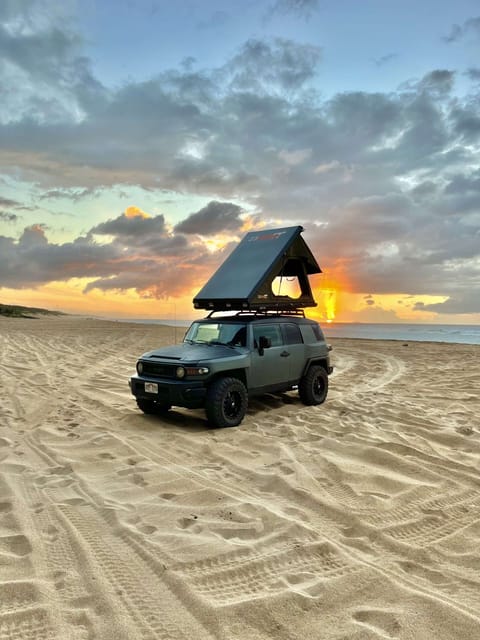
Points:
(244, 280)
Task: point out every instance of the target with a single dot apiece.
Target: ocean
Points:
(453, 333)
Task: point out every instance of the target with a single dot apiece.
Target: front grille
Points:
(159, 370)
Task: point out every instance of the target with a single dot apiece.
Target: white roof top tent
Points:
(244, 281)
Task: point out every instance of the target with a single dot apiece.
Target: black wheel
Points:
(313, 387)
(226, 402)
(152, 407)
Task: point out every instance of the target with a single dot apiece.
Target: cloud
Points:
(7, 202)
(265, 66)
(464, 183)
(33, 260)
(439, 81)
(473, 73)
(141, 234)
(457, 304)
(383, 60)
(385, 183)
(8, 217)
(131, 226)
(466, 121)
(70, 194)
(457, 32)
(214, 218)
(297, 8)
(44, 75)
(139, 253)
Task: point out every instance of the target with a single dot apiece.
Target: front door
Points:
(272, 367)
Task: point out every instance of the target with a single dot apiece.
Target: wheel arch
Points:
(239, 374)
(322, 362)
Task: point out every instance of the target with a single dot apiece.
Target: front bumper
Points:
(179, 393)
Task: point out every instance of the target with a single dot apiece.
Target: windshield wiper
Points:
(223, 344)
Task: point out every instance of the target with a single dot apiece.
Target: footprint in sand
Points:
(187, 522)
(139, 480)
(381, 622)
(5, 507)
(464, 430)
(167, 496)
(50, 534)
(147, 528)
(16, 545)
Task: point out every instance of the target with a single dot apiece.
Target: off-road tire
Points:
(313, 387)
(152, 407)
(226, 402)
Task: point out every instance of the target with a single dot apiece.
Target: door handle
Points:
(285, 354)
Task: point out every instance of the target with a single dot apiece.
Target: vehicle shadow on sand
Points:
(194, 420)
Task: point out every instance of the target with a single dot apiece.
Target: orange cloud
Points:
(250, 223)
(135, 212)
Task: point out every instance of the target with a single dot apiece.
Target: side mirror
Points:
(263, 343)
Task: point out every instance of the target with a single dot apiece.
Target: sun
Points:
(330, 302)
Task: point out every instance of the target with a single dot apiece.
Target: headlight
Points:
(181, 372)
(139, 367)
(197, 371)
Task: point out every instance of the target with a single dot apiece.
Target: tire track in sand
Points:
(98, 581)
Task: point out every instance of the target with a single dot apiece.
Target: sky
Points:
(141, 139)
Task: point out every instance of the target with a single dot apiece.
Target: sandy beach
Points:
(358, 519)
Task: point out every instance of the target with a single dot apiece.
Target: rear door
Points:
(293, 345)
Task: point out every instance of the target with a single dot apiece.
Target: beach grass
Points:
(18, 311)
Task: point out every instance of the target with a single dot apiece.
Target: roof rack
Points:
(244, 281)
(264, 312)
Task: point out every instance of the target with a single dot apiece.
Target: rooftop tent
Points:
(244, 280)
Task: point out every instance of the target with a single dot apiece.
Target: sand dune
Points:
(359, 519)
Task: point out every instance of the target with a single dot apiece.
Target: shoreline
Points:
(179, 327)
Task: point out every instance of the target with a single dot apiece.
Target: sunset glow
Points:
(330, 302)
(286, 287)
(135, 212)
(129, 174)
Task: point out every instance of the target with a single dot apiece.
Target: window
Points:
(318, 332)
(292, 334)
(224, 332)
(271, 331)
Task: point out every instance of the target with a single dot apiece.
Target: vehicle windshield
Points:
(229, 333)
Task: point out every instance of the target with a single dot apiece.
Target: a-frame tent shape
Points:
(244, 280)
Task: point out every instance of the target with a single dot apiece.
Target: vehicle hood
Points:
(192, 353)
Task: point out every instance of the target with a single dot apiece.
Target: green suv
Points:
(224, 360)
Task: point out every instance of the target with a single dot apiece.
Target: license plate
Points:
(151, 387)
